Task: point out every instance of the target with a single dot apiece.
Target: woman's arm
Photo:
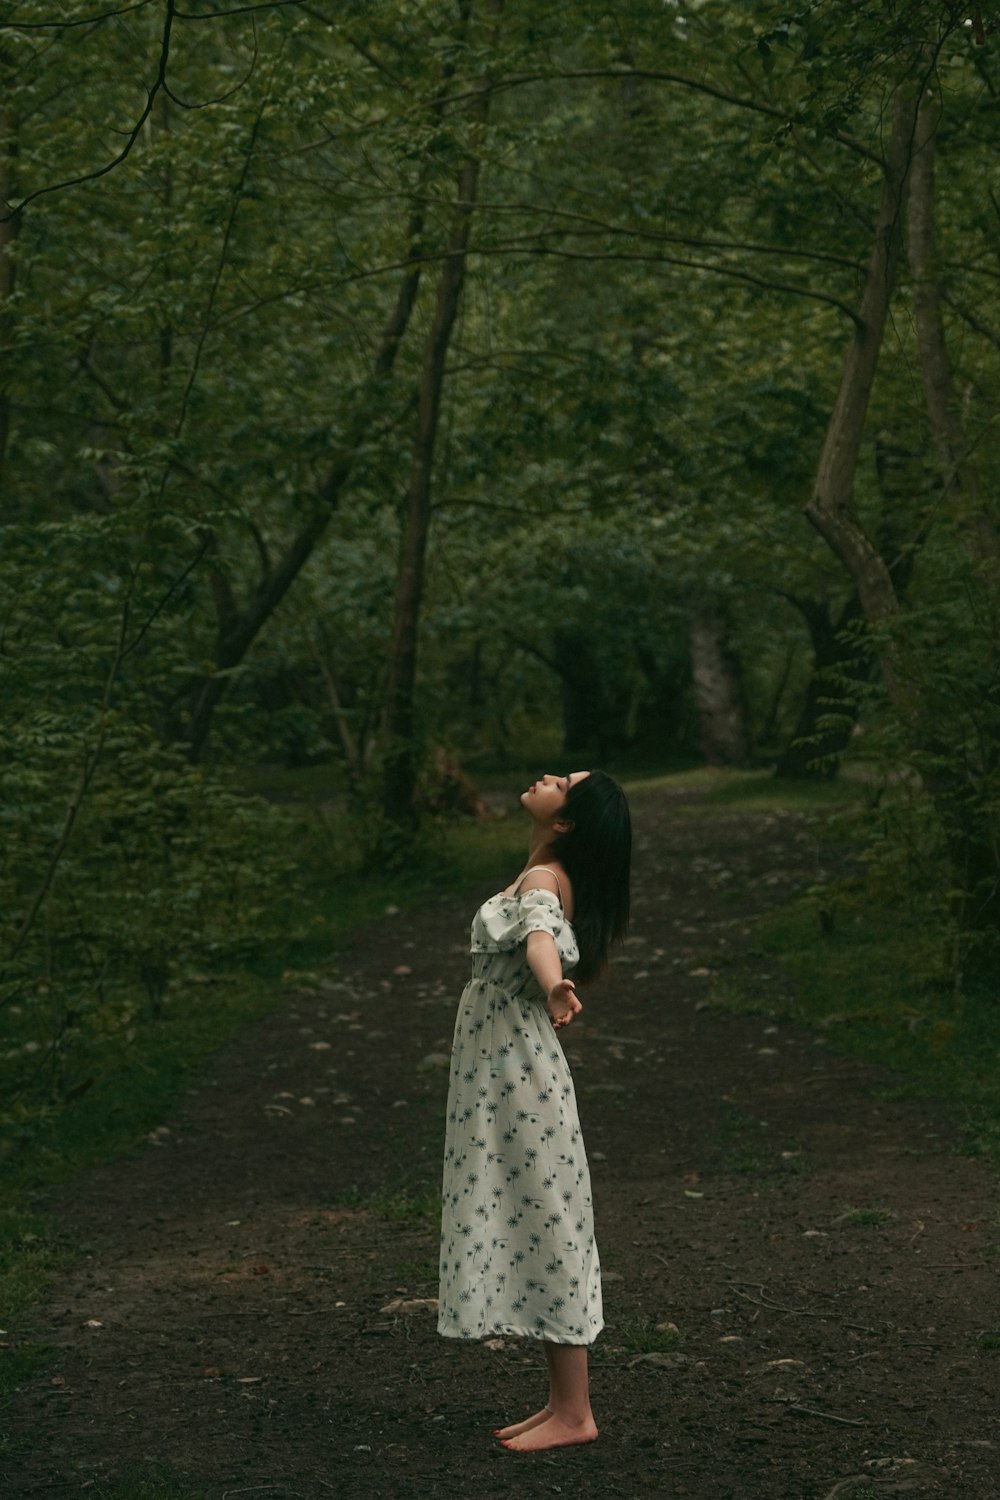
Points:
(546, 965)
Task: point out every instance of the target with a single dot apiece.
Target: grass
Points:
(754, 791)
(871, 976)
(416, 1273)
(643, 1336)
(875, 989)
(744, 1150)
(402, 1205)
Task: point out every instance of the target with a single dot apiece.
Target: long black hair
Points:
(596, 853)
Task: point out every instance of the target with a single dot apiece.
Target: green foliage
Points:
(127, 871)
(206, 431)
(31, 1254)
(876, 979)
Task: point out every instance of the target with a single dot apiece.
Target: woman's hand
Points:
(562, 1003)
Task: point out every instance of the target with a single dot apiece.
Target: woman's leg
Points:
(516, 1428)
(567, 1418)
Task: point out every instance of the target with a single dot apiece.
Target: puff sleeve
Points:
(508, 923)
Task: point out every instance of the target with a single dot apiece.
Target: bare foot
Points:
(553, 1432)
(516, 1428)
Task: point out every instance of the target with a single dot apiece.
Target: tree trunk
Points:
(718, 693)
(402, 755)
(582, 693)
(238, 628)
(954, 790)
(831, 506)
(352, 745)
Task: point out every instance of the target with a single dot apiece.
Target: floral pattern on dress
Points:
(517, 1227)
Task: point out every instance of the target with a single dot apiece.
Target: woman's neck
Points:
(539, 847)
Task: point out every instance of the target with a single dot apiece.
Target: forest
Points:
(400, 395)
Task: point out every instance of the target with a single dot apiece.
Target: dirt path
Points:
(231, 1317)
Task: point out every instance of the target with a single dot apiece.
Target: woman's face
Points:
(546, 797)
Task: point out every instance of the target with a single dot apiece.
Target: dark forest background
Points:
(396, 393)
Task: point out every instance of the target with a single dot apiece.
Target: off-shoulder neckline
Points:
(539, 891)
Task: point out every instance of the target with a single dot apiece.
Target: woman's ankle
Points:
(572, 1416)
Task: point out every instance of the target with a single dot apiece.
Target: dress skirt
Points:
(518, 1255)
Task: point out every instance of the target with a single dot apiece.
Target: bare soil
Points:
(241, 1317)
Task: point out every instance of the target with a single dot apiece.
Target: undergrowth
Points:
(867, 957)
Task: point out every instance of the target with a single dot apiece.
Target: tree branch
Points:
(104, 15)
(518, 247)
(133, 136)
(699, 85)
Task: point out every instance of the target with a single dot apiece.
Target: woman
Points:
(517, 1233)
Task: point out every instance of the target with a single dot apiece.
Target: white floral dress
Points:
(517, 1226)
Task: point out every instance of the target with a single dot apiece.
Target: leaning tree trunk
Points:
(831, 510)
(402, 755)
(831, 505)
(718, 693)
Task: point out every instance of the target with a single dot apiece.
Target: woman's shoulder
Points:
(550, 877)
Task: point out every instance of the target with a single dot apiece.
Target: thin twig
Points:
(799, 1312)
(809, 1411)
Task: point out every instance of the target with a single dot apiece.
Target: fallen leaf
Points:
(402, 969)
(212, 1372)
(689, 1194)
(58, 1380)
(410, 1304)
(433, 1060)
